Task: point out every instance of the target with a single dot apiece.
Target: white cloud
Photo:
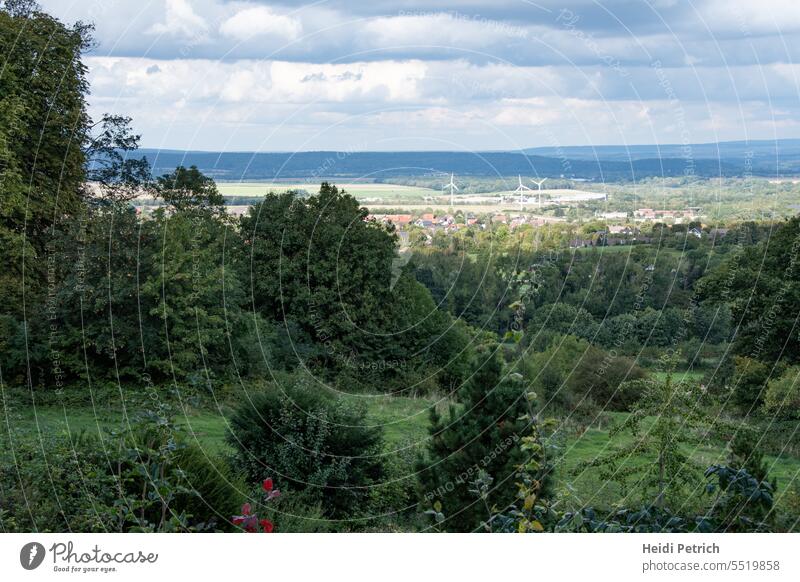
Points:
(260, 21)
(180, 20)
(441, 30)
(747, 17)
(252, 81)
(324, 106)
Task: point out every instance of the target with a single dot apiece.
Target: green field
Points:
(405, 424)
(362, 191)
(731, 198)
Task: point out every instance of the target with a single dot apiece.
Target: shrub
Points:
(213, 491)
(54, 484)
(749, 379)
(311, 442)
(572, 374)
(783, 395)
(145, 479)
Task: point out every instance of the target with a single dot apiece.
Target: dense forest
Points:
(203, 363)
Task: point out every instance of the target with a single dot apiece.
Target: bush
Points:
(571, 375)
(54, 484)
(146, 479)
(783, 395)
(749, 379)
(311, 442)
(213, 491)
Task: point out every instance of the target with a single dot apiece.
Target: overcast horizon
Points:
(211, 75)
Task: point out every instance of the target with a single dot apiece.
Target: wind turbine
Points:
(520, 189)
(539, 186)
(453, 188)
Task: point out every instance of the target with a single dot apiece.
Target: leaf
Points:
(437, 505)
(536, 526)
(529, 501)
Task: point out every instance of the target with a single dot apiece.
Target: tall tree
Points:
(482, 435)
(761, 284)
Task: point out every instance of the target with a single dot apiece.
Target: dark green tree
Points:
(482, 434)
(187, 189)
(761, 284)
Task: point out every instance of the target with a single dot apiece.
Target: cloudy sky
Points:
(443, 75)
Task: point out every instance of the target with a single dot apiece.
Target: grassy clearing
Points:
(691, 376)
(404, 420)
(405, 424)
(206, 428)
(594, 443)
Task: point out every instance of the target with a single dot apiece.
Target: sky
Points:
(469, 75)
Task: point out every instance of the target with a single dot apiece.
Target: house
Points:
(581, 242)
(399, 220)
(614, 215)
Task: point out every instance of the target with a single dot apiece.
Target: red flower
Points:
(249, 521)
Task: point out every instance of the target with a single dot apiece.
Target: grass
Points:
(206, 428)
(403, 419)
(692, 376)
(595, 442)
(405, 423)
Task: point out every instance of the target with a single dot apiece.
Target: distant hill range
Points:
(598, 163)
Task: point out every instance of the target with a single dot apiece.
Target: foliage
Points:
(313, 442)
(575, 377)
(741, 501)
(673, 408)
(532, 509)
(749, 381)
(761, 285)
(188, 189)
(322, 272)
(782, 398)
(114, 174)
(478, 435)
(735, 494)
(143, 479)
